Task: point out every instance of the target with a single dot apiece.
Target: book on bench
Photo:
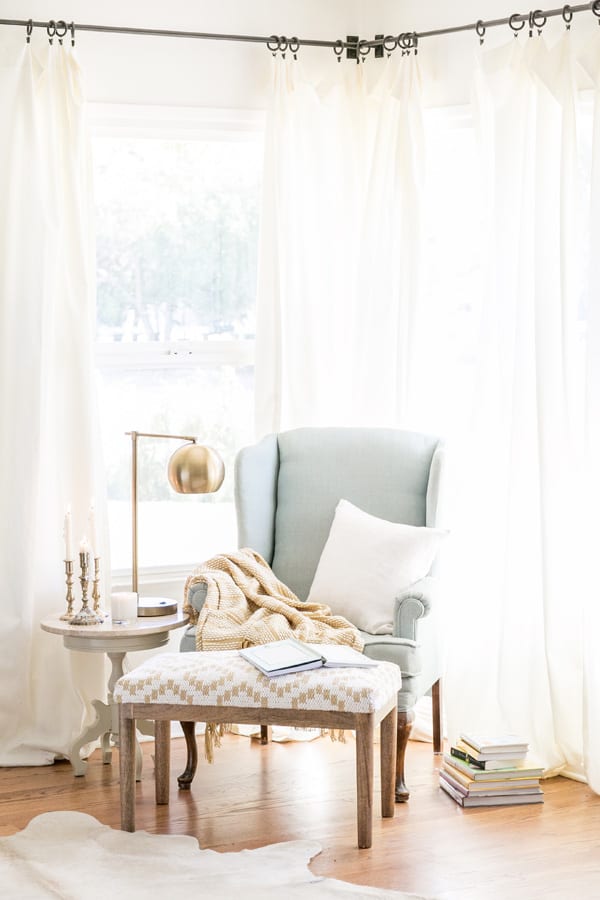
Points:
(288, 656)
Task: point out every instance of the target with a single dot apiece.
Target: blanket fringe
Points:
(212, 738)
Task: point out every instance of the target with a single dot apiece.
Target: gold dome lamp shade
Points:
(193, 469)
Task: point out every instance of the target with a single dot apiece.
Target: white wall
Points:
(186, 72)
(448, 60)
(162, 71)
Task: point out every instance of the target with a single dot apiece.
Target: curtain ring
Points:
(273, 40)
(596, 9)
(362, 50)
(390, 43)
(51, 30)
(567, 14)
(61, 30)
(516, 28)
(405, 42)
(294, 45)
(539, 13)
(72, 30)
(29, 30)
(480, 29)
(338, 49)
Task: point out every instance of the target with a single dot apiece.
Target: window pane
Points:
(177, 227)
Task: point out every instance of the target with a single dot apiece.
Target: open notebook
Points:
(290, 655)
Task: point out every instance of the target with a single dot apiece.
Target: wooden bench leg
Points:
(127, 771)
(187, 776)
(387, 759)
(265, 734)
(364, 780)
(162, 757)
(436, 712)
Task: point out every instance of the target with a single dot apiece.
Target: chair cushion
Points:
(366, 562)
(404, 653)
(224, 678)
(385, 472)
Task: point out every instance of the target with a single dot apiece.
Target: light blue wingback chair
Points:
(286, 490)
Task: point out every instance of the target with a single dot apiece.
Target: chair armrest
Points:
(196, 596)
(413, 604)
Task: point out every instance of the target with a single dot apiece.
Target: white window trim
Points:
(175, 354)
(131, 120)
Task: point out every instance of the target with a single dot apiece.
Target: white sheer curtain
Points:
(591, 622)
(344, 333)
(339, 269)
(524, 586)
(47, 430)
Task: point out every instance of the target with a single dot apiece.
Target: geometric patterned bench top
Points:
(224, 678)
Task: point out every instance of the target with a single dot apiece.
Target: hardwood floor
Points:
(255, 795)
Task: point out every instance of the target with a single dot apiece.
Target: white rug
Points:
(70, 855)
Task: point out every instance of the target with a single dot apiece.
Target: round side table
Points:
(145, 633)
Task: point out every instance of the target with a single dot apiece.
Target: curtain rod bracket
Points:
(352, 47)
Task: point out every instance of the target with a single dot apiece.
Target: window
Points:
(177, 200)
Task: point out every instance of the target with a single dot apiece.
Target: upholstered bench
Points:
(221, 687)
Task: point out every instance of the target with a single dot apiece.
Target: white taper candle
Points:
(68, 535)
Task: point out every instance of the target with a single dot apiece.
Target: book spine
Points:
(466, 757)
(452, 792)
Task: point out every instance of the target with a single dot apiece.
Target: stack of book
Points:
(482, 771)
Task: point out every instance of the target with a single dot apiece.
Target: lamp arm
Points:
(175, 437)
(134, 494)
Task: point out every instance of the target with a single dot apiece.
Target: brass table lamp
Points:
(193, 469)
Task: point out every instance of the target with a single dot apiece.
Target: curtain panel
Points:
(340, 251)
(520, 652)
(347, 335)
(47, 416)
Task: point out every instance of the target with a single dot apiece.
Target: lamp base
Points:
(156, 606)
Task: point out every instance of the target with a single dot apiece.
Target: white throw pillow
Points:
(366, 562)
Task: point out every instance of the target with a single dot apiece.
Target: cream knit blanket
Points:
(246, 604)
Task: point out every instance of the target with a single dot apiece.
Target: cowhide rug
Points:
(72, 856)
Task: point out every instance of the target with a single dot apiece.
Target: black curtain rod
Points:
(536, 18)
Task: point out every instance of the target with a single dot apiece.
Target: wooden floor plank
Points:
(255, 795)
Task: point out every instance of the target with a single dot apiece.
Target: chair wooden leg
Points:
(436, 711)
(405, 720)
(265, 734)
(187, 776)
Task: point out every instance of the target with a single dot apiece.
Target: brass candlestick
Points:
(96, 588)
(85, 616)
(68, 615)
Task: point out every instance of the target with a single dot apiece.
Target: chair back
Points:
(388, 473)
